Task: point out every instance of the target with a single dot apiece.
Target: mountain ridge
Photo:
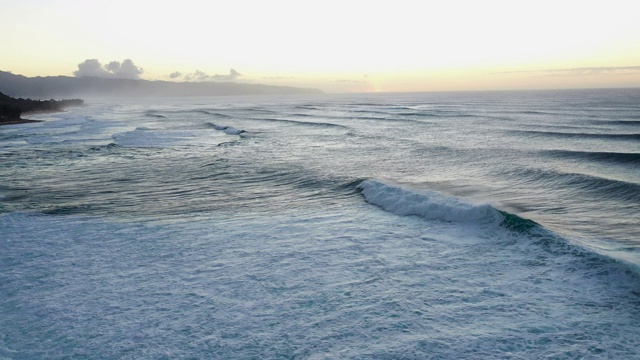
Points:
(67, 86)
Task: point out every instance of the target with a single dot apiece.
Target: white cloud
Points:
(115, 69)
(199, 75)
(91, 67)
(233, 74)
(128, 70)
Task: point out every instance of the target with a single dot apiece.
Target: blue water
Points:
(432, 225)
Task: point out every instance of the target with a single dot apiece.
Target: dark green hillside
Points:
(11, 108)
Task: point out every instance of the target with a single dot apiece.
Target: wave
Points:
(305, 123)
(105, 148)
(308, 107)
(351, 115)
(413, 112)
(207, 112)
(613, 157)
(227, 129)
(221, 115)
(437, 206)
(369, 111)
(11, 194)
(217, 127)
(67, 210)
(422, 114)
(154, 115)
(536, 112)
(609, 188)
(571, 135)
(233, 131)
(616, 122)
(227, 113)
(143, 137)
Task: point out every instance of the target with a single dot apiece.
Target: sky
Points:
(337, 46)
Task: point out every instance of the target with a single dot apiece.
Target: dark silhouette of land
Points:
(11, 108)
(66, 86)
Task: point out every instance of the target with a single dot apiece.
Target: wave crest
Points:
(438, 206)
(226, 129)
(427, 204)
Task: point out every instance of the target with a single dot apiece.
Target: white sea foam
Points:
(229, 130)
(356, 283)
(427, 204)
(264, 249)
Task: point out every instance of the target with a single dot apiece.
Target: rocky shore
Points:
(11, 109)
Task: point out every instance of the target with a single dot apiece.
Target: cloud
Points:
(91, 67)
(115, 69)
(203, 76)
(126, 70)
(231, 76)
(582, 71)
(175, 74)
(197, 76)
(113, 66)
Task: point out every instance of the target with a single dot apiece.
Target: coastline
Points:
(11, 109)
(20, 120)
(28, 121)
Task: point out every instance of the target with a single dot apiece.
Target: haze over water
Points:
(336, 46)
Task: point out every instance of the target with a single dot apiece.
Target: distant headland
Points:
(11, 108)
(66, 86)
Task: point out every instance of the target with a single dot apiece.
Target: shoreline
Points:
(12, 109)
(28, 121)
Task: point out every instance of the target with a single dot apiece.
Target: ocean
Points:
(479, 225)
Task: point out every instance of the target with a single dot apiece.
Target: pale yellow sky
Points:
(337, 46)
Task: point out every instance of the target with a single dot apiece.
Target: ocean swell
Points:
(602, 156)
(226, 129)
(437, 206)
(427, 204)
(576, 135)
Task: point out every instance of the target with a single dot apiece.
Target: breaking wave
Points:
(441, 207)
(437, 206)
(226, 129)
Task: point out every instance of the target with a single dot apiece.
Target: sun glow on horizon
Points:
(351, 46)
